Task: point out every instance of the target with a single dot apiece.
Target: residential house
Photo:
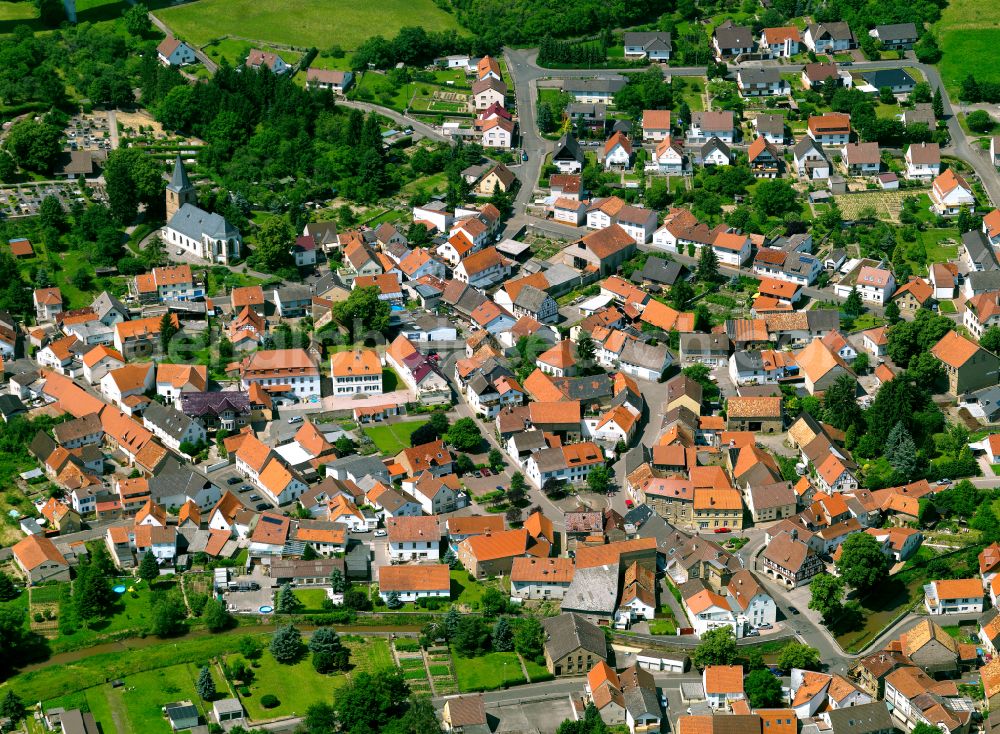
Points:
(498, 133)
(534, 578)
(761, 82)
(771, 127)
(954, 596)
(950, 192)
(712, 124)
(723, 684)
(831, 129)
(915, 294)
(328, 80)
(714, 153)
(141, 337)
(755, 414)
(823, 38)
(810, 161)
(780, 43)
(40, 561)
(281, 371)
(172, 283)
(861, 159)
(730, 40)
(968, 366)
(603, 251)
(898, 81)
(173, 380)
(816, 74)
(764, 159)
(410, 583)
(48, 302)
(895, 36)
(257, 59)
(654, 46)
(668, 157)
(790, 561)
(618, 152)
(174, 52)
(493, 554)
(414, 538)
(572, 645)
(923, 161)
(567, 155)
(356, 371)
(655, 125)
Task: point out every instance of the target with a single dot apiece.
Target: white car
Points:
(380, 533)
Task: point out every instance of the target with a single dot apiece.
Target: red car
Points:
(628, 503)
(721, 530)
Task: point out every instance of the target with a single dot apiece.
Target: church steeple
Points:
(180, 190)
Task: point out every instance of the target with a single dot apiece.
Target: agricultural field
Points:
(968, 34)
(302, 23)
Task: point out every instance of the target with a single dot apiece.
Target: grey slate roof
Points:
(291, 293)
(593, 591)
(888, 78)
(168, 419)
(179, 180)
(868, 717)
(731, 36)
(568, 631)
(662, 271)
(644, 355)
(531, 299)
(650, 41)
(896, 31)
(766, 75)
(106, 302)
(567, 148)
(770, 124)
(984, 281)
(194, 222)
(980, 251)
(609, 84)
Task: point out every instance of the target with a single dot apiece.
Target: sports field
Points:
(303, 23)
(968, 34)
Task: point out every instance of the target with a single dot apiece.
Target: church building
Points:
(192, 229)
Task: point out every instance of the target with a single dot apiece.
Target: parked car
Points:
(234, 480)
(793, 610)
(261, 506)
(629, 504)
(245, 488)
(254, 497)
(524, 157)
(721, 530)
(477, 474)
(380, 533)
(764, 626)
(295, 419)
(364, 529)
(487, 473)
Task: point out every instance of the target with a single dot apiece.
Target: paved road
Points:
(421, 127)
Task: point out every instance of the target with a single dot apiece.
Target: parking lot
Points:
(230, 479)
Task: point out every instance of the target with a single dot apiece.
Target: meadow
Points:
(302, 23)
(968, 34)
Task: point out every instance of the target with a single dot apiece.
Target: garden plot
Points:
(886, 205)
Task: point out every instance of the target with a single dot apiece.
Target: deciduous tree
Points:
(862, 563)
(717, 647)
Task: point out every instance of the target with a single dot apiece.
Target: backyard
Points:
(488, 672)
(302, 23)
(299, 685)
(391, 438)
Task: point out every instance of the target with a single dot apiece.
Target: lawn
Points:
(468, 592)
(390, 381)
(488, 672)
(233, 51)
(968, 34)
(694, 87)
(94, 670)
(299, 685)
(536, 672)
(392, 438)
(303, 23)
(947, 307)
(312, 599)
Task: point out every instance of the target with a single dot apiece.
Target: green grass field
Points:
(968, 34)
(299, 685)
(394, 437)
(303, 23)
(488, 672)
(537, 672)
(312, 599)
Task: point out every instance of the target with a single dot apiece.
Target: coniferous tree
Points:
(205, 685)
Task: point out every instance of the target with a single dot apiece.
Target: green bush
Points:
(269, 701)
(244, 691)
